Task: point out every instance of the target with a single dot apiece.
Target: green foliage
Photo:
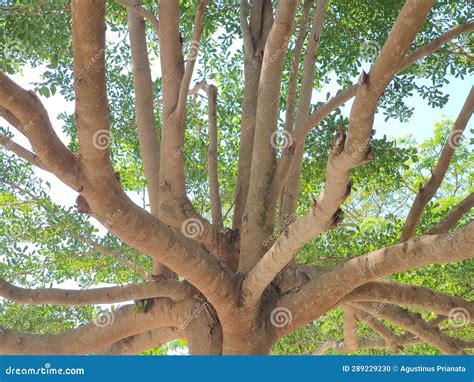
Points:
(41, 243)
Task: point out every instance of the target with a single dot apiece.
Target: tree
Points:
(223, 255)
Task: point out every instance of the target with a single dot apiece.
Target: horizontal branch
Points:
(109, 295)
(142, 342)
(413, 323)
(105, 330)
(308, 303)
(411, 295)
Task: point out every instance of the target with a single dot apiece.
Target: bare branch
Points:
(292, 187)
(91, 112)
(21, 152)
(245, 29)
(261, 21)
(191, 60)
(109, 295)
(212, 155)
(134, 6)
(391, 340)
(411, 295)
(307, 303)
(295, 63)
(345, 154)
(105, 330)
(350, 328)
(427, 191)
(450, 220)
(26, 113)
(145, 115)
(434, 45)
(260, 208)
(142, 342)
(413, 323)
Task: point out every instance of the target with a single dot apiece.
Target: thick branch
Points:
(74, 297)
(105, 330)
(259, 215)
(261, 21)
(411, 295)
(91, 112)
(345, 154)
(413, 323)
(145, 115)
(135, 7)
(350, 328)
(307, 303)
(292, 187)
(142, 342)
(24, 111)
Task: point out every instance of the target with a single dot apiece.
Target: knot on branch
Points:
(363, 79)
(337, 218)
(338, 142)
